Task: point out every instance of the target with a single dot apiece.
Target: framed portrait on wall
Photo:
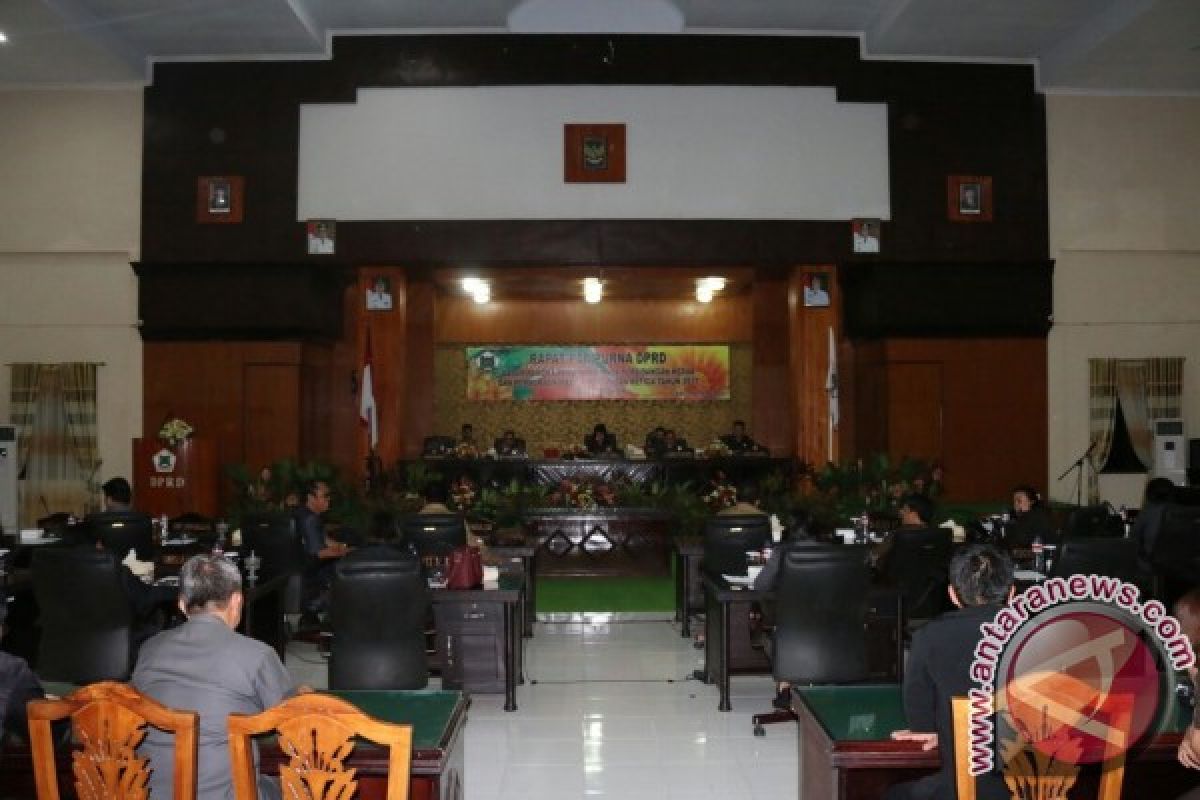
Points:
(969, 198)
(322, 237)
(219, 199)
(816, 290)
(594, 153)
(864, 234)
(379, 294)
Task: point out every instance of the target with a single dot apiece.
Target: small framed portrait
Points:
(816, 289)
(322, 237)
(379, 294)
(219, 198)
(969, 198)
(865, 235)
(594, 153)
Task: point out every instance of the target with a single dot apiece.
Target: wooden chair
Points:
(1111, 776)
(316, 731)
(110, 719)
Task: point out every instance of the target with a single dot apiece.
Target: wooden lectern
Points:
(175, 480)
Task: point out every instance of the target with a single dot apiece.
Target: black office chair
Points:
(1116, 558)
(728, 537)
(193, 524)
(273, 538)
(434, 535)
(378, 615)
(821, 601)
(84, 614)
(1093, 522)
(916, 567)
(1176, 555)
(122, 531)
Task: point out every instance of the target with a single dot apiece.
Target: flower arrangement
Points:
(466, 450)
(584, 494)
(462, 493)
(721, 494)
(717, 449)
(175, 431)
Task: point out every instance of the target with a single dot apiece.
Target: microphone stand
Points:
(1078, 465)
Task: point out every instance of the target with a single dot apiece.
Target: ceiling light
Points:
(704, 293)
(482, 293)
(593, 290)
(3, 37)
(469, 285)
(716, 283)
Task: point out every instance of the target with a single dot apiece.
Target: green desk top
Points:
(872, 712)
(428, 711)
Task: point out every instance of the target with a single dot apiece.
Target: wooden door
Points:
(271, 413)
(914, 410)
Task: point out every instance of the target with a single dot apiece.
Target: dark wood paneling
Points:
(270, 412)
(389, 363)
(772, 391)
(914, 410)
(420, 310)
(810, 366)
(726, 319)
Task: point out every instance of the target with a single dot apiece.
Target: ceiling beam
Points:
(886, 16)
(1069, 51)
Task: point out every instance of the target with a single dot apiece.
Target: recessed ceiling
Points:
(1101, 45)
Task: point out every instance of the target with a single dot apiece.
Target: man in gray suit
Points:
(204, 665)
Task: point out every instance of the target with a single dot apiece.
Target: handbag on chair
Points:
(466, 568)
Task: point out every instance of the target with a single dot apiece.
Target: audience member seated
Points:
(654, 442)
(747, 501)
(939, 668)
(916, 516)
(674, 445)
(118, 522)
(1157, 497)
(509, 446)
(1028, 519)
(18, 685)
(320, 551)
(1187, 611)
(600, 442)
(146, 600)
(118, 496)
(739, 442)
(204, 665)
(435, 500)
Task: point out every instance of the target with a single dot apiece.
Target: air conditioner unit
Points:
(1170, 451)
(10, 465)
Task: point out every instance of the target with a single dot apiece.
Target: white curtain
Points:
(1102, 402)
(55, 407)
(1131, 393)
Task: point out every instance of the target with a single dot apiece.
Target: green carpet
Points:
(605, 594)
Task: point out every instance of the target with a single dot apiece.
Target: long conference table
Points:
(644, 471)
(846, 753)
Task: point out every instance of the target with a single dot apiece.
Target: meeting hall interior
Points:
(595, 398)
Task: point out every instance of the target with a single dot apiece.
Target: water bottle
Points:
(862, 530)
(1039, 555)
(164, 525)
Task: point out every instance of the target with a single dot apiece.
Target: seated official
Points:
(939, 668)
(509, 446)
(916, 515)
(204, 665)
(1028, 520)
(739, 442)
(118, 496)
(747, 501)
(600, 442)
(320, 551)
(654, 442)
(672, 443)
(18, 685)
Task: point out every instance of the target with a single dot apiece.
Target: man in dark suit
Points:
(509, 445)
(600, 441)
(118, 496)
(939, 668)
(674, 444)
(739, 441)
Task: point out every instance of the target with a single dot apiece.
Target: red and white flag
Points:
(367, 412)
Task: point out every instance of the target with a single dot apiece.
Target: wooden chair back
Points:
(110, 719)
(316, 732)
(1111, 776)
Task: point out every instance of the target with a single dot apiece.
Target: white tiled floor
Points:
(610, 710)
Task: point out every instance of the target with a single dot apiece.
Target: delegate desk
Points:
(479, 638)
(437, 717)
(525, 553)
(846, 753)
(605, 541)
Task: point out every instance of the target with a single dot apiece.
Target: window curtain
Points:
(55, 407)
(1102, 401)
(1148, 389)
